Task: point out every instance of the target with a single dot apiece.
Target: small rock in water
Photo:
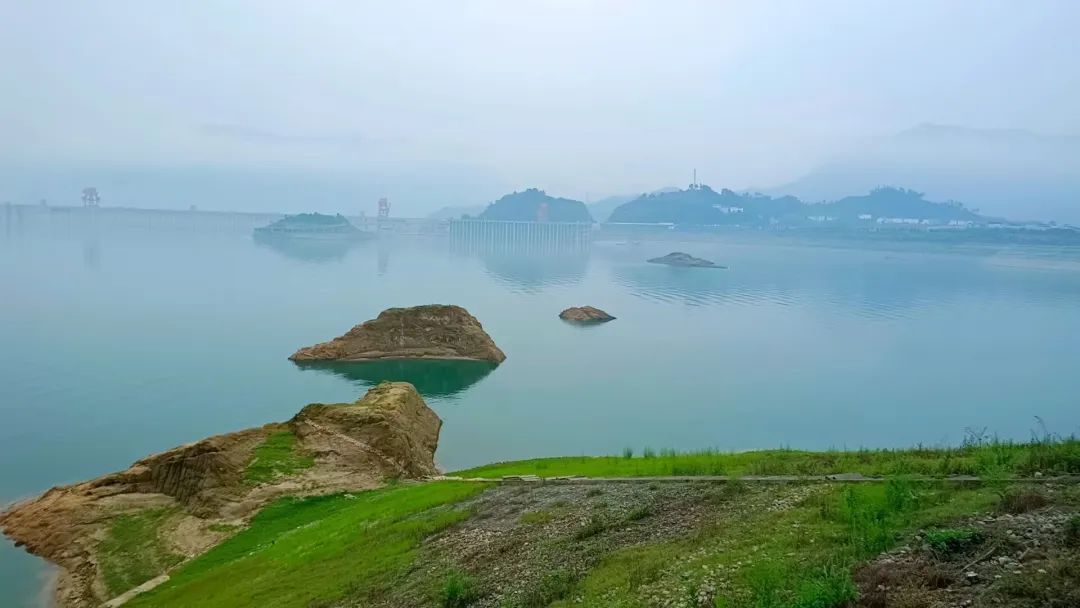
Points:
(678, 258)
(585, 314)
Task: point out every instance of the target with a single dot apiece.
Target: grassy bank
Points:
(134, 549)
(800, 557)
(635, 545)
(315, 551)
(1048, 456)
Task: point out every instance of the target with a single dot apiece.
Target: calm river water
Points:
(120, 343)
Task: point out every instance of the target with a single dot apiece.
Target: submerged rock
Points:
(433, 331)
(678, 258)
(585, 314)
(389, 433)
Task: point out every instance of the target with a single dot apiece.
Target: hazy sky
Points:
(583, 98)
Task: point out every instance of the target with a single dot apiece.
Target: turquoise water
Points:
(122, 343)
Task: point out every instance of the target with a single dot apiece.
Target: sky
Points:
(442, 102)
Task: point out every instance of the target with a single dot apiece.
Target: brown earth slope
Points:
(390, 432)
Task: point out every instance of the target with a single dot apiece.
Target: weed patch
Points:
(950, 541)
(275, 457)
(1072, 532)
(458, 590)
(594, 526)
(553, 587)
(1021, 500)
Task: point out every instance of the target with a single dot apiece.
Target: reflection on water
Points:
(873, 286)
(432, 377)
(532, 273)
(811, 347)
(525, 256)
(307, 250)
(92, 253)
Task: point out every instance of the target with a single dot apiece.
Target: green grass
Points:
(133, 550)
(1072, 532)
(947, 541)
(275, 457)
(224, 528)
(639, 513)
(1048, 455)
(594, 526)
(553, 587)
(458, 590)
(536, 517)
(798, 558)
(315, 551)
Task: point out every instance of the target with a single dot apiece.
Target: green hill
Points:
(701, 205)
(535, 205)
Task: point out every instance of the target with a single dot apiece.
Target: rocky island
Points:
(585, 315)
(678, 258)
(195, 495)
(311, 226)
(433, 331)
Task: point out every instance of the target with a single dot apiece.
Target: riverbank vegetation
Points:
(690, 544)
(1045, 455)
(309, 551)
(134, 549)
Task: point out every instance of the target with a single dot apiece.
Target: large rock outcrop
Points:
(390, 432)
(394, 426)
(433, 331)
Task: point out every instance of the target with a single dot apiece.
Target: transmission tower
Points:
(90, 197)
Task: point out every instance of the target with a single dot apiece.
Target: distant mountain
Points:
(601, 209)
(453, 213)
(888, 202)
(703, 205)
(534, 205)
(1006, 173)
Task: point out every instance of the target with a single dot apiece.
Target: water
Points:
(120, 343)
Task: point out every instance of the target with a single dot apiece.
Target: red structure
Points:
(542, 212)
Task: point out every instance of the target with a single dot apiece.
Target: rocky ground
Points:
(523, 541)
(1028, 555)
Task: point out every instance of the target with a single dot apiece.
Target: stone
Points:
(585, 315)
(678, 258)
(433, 331)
